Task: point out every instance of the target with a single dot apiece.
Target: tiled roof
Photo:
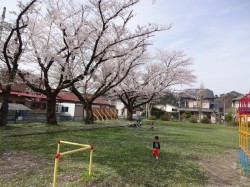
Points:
(69, 96)
(237, 98)
(25, 94)
(63, 96)
(194, 93)
(21, 87)
(100, 101)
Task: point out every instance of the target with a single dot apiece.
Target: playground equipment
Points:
(244, 122)
(58, 154)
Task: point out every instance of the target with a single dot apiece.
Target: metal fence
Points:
(27, 117)
(38, 118)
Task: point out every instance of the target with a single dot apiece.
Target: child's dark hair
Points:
(156, 137)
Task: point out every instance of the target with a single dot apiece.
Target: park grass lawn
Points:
(122, 155)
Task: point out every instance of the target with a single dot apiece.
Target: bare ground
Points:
(221, 171)
(224, 171)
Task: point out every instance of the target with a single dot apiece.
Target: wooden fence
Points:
(105, 113)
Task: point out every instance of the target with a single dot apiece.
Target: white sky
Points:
(215, 33)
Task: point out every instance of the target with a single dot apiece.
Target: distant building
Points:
(167, 107)
(68, 106)
(199, 102)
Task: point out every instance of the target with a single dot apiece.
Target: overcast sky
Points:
(215, 33)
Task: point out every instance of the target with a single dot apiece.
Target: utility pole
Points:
(179, 94)
(2, 21)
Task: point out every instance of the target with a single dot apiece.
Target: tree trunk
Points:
(129, 115)
(51, 110)
(89, 114)
(5, 106)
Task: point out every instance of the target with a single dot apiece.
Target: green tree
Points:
(229, 116)
(157, 112)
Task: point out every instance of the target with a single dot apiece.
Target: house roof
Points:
(195, 93)
(27, 94)
(15, 106)
(63, 96)
(101, 101)
(237, 98)
(21, 87)
(69, 96)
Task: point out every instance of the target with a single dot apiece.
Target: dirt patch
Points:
(224, 170)
(17, 163)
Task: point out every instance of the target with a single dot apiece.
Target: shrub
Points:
(152, 118)
(205, 120)
(164, 117)
(157, 112)
(228, 118)
(193, 119)
(185, 116)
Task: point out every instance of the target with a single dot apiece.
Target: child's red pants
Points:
(155, 152)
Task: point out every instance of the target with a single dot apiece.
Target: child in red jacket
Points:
(156, 147)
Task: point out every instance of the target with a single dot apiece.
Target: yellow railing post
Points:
(56, 162)
(58, 154)
(90, 159)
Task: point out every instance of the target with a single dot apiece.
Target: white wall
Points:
(162, 107)
(169, 108)
(235, 104)
(120, 106)
(71, 111)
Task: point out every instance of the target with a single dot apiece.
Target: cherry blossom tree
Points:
(121, 50)
(106, 77)
(12, 44)
(166, 70)
(70, 42)
(54, 32)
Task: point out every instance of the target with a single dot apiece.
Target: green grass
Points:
(122, 155)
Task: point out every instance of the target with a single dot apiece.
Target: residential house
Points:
(122, 111)
(21, 94)
(68, 105)
(167, 107)
(198, 102)
(235, 103)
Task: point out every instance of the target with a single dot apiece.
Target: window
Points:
(65, 109)
(43, 106)
(38, 105)
(35, 105)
